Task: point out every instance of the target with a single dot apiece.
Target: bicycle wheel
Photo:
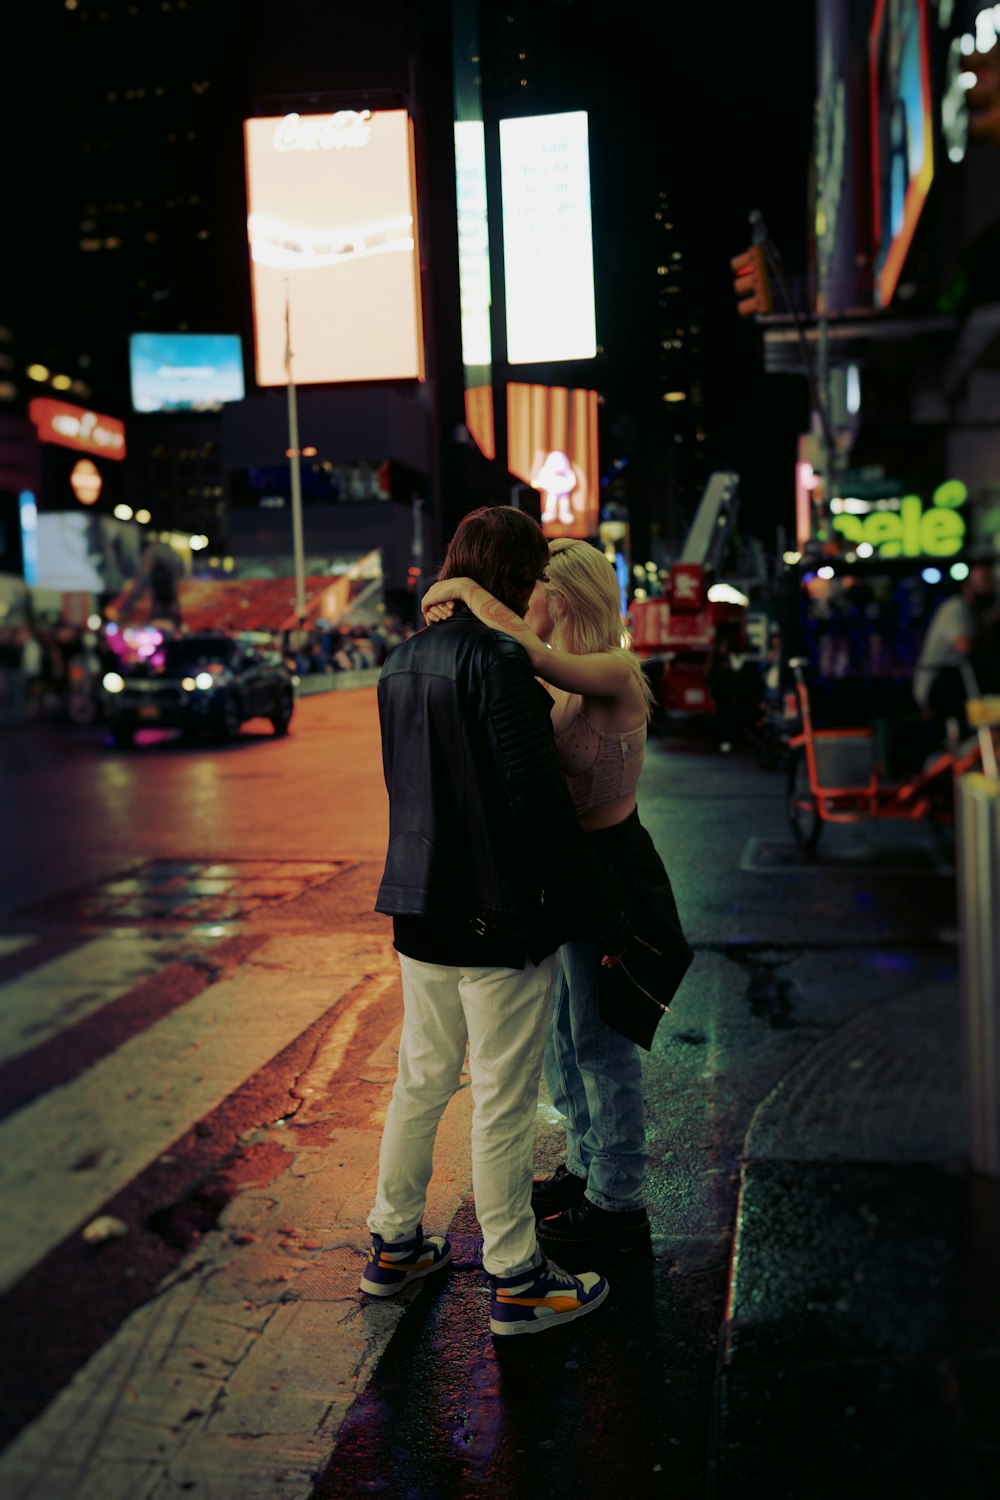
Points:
(803, 808)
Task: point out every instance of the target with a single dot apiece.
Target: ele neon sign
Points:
(912, 531)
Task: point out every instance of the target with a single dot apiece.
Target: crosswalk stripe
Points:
(223, 1351)
(122, 1113)
(46, 999)
(10, 945)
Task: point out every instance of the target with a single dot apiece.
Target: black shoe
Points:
(550, 1195)
(586, 1230)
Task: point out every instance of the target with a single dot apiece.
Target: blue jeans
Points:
(594, 1078)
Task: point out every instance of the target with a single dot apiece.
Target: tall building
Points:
(133, 179)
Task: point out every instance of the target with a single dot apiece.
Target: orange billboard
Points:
(552, 445)
(76, 427)
(332, 226)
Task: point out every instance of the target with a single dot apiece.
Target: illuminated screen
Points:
(474, 282)
(185, 371)
(332, 223)
(902, 133)
(552, 445)
(78, 550)
(547, 239)
(473, 242)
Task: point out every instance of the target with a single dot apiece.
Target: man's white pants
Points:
(504, 1015)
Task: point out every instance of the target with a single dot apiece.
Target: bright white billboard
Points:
(473, 241)
(332, 224)
(547, 238)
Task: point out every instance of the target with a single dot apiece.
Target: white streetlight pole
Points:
(294, 460)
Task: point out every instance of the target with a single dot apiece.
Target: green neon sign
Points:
(912, 531)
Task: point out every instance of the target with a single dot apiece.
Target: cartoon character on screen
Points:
(556, 478)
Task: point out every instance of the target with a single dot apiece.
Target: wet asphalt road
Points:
(788, 949)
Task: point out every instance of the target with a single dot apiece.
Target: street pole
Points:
(294, 458)
(417, 552)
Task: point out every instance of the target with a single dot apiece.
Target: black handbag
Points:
(635, 995)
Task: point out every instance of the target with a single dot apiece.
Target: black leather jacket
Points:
(481, 826)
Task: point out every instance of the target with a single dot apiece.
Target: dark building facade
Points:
(134, 171)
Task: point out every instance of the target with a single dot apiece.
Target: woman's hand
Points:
(610, 959)
(439, 601)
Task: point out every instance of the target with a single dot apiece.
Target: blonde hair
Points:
(591, 620)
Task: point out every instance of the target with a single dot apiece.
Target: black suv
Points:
(206, 683)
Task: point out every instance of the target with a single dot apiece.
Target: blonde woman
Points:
(575, 636)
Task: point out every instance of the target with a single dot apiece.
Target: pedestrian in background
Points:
(960, 640)
(487, 873)
(722, 685)
(575, 637)
(33, 670)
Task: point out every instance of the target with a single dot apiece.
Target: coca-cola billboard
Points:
(332, 228)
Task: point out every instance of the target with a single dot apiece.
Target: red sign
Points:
(690, 629)
(76, 427)
(687, 587)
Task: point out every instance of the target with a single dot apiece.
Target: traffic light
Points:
(752, 285)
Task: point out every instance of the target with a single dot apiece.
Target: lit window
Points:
(203, 234)
(90, 244)
(112, 242)
(151, 236)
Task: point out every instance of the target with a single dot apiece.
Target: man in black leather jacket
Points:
(487, 873)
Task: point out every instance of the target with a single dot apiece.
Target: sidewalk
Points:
(861, 1348)
(820, 1316)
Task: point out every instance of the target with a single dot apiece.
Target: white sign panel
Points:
(547, 238)
(473, 241)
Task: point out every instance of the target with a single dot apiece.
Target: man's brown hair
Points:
(502, 548)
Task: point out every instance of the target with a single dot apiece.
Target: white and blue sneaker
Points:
(394, 1264)
(544, 1297)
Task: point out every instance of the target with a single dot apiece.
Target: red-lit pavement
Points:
(198, 1014)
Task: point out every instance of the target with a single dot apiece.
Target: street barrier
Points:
(978, 878)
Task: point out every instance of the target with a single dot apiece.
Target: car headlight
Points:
(204, 680)
(113, 682)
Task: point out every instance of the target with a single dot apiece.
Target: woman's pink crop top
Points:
(599, 767)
